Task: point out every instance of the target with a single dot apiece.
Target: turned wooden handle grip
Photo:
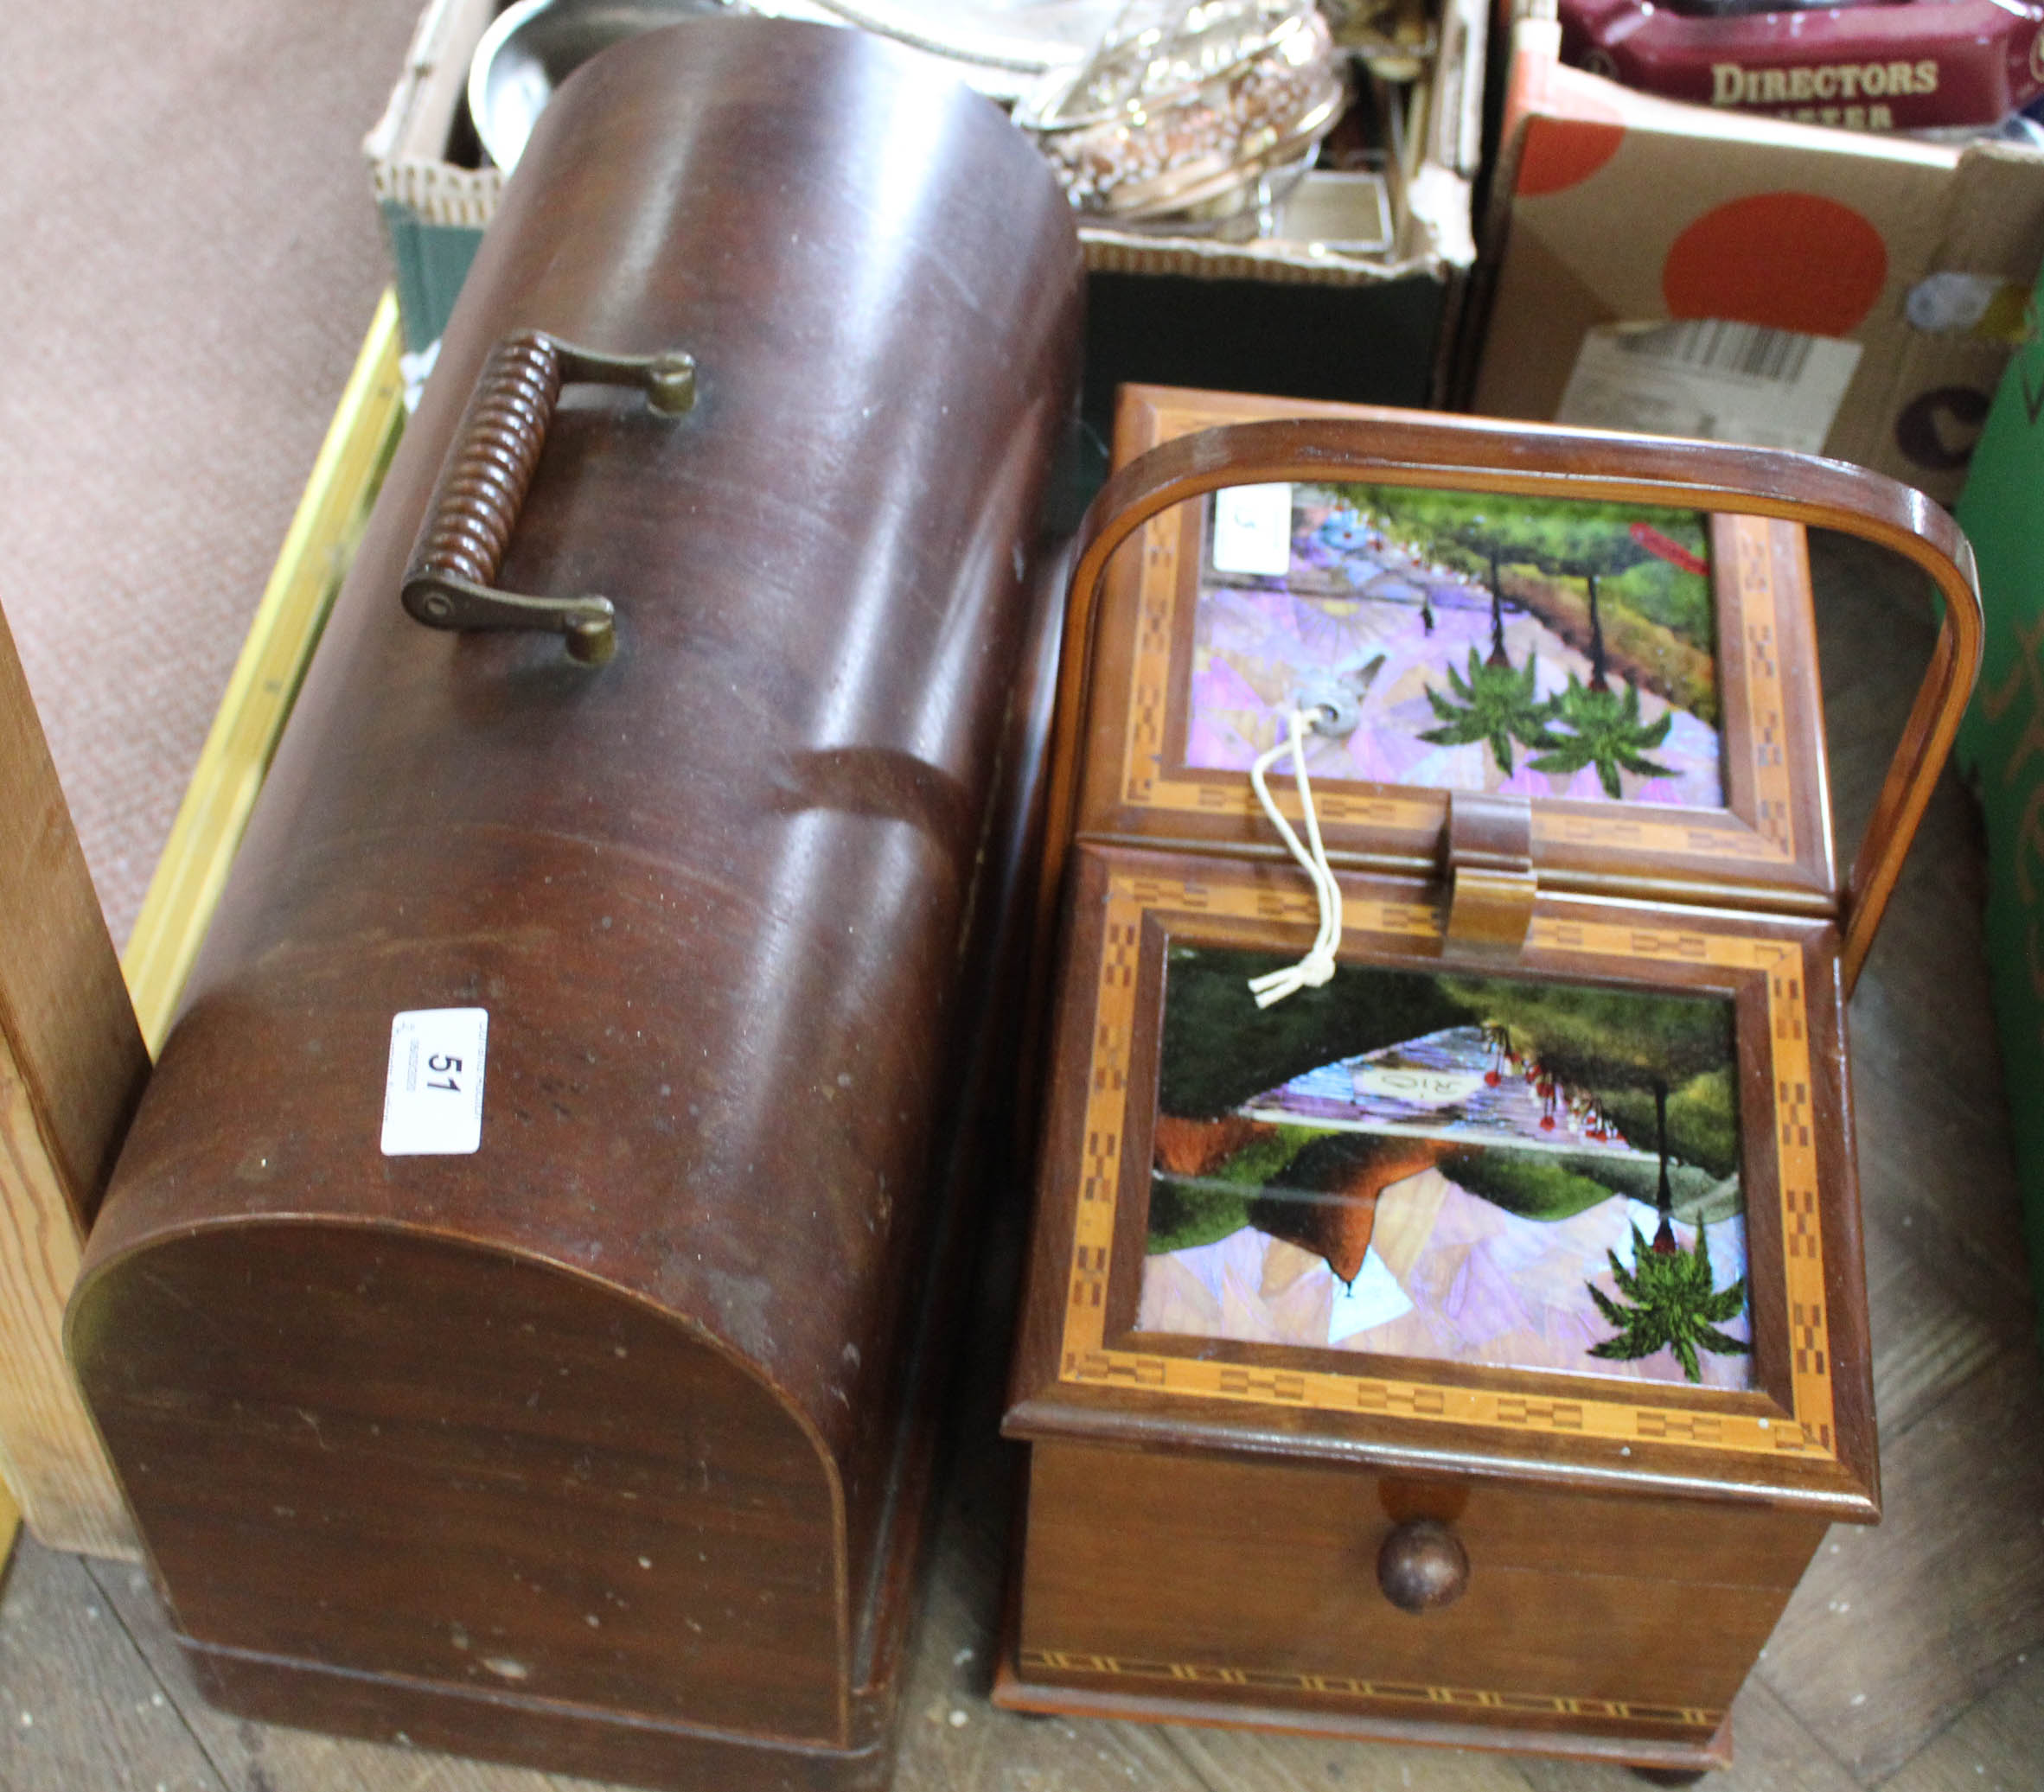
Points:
(1422, 1567)
(451, 582)
(1408, 448)
(489, 468)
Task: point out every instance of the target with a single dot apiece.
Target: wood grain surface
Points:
(1649, 1629)
(72, 1067)
(63, 1007)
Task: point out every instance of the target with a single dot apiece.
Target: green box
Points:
(2001, 745)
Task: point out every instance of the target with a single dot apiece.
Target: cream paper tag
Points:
(432, 1092)
(1253, 530)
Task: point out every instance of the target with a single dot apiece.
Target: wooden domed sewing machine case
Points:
(1470, 1344)
(514, 1317)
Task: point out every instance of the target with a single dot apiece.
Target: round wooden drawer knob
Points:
(1422, 1567)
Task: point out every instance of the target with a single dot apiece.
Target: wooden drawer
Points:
(1258, 1582)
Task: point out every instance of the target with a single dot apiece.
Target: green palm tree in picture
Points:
(1495, 704)
(1668, 1303)
(1605, 730)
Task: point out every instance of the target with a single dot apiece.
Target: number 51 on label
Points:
(432, 1089)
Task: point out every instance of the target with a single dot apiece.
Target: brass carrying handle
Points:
(450, 582)
(1457, 454)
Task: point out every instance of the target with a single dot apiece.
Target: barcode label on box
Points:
(1253, 530)
(1709, 377)
(432, 1092)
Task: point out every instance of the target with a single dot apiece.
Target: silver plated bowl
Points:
(534, 46)
(1197, 120)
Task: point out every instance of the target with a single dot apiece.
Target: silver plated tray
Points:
(532, 47)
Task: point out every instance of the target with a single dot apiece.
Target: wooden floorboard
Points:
(81, 1710)
(1774, 1753)
(1896, 1630)
(1911, 1660)
(1995, 1746)
(1935, 1326)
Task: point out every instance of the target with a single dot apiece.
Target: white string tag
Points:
(1317, 966)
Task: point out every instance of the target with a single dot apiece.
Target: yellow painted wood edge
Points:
(315, 558)
(10, 1525)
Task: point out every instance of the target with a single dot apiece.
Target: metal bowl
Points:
(536, 45)
(1200, 128)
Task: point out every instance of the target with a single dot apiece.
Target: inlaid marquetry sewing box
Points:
(1445, 1315)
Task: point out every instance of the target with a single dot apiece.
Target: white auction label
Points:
(432, 1093)
(1711, 377)
(1253, 530)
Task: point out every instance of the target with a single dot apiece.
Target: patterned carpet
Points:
(191, 258)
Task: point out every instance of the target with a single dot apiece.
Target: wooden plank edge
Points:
(50, 1455)
(11, 1526)
(49, 1452)
(311, 565)
(71, 1065)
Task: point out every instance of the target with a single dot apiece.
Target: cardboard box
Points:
(434, 188)
(1296, 315)
(1828, 289)
(1357, 299)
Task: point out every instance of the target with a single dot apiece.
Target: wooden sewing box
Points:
(1472, 1347)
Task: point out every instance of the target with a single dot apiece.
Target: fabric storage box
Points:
(516, 1317)
(1464, 1339)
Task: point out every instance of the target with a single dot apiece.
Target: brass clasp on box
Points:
(1488, 850)
(450, 581)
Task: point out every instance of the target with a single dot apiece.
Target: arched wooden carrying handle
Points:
(450, 582)
(1455, 454)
